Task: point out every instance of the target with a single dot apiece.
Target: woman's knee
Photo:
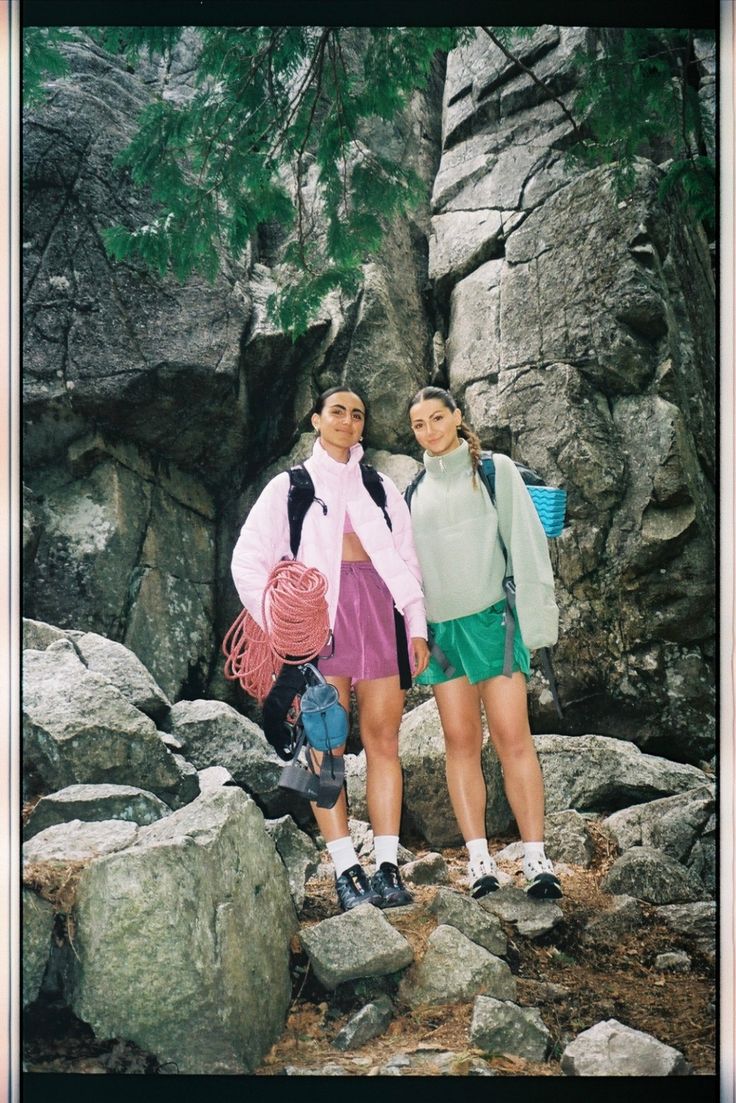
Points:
(380, 744)
(513, 742)
(462, 743)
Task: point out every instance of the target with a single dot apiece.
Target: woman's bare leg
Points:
(458, 704)
(505, 702)
(380, 708)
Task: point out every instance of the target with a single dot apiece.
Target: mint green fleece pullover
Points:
(456, 530)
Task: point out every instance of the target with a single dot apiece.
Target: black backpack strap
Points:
(487, 473)
(373, 483)
(437, 653)
(301, 495)
(509, 587)
(408, 493)
(545, 653)
(402, 649)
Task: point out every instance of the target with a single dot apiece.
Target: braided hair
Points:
(463, 430)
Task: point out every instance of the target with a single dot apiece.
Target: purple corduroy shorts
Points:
(364, 633)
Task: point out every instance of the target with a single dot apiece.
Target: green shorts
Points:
(475, 647)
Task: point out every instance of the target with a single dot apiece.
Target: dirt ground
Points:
(613, 981)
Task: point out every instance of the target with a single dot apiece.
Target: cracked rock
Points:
(467, 915)
(500, 1026)
(95, 802)
(359, 943)
(367, 1023)
(650, 874)
(454, 969)
(298, 853)
(529, 917)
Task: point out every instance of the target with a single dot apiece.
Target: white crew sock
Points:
(535, 861)
(343, 854)
(534, 852)
(387, 849)
(478, 850)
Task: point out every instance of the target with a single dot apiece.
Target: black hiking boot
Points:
(354, 888)
(386, 881)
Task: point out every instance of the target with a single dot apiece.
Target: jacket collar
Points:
(450, 464)
(325, 464)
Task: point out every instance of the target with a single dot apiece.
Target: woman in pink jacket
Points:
(371, 570)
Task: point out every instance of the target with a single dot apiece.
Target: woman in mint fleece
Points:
(456, 532)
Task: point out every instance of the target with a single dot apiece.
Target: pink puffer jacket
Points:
(264, 538)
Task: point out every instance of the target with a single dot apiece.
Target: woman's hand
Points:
(421, 654)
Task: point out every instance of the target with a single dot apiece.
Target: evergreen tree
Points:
(640, 93)
(42, 59)
(275, 132)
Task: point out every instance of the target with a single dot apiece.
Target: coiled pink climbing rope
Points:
(294, 610)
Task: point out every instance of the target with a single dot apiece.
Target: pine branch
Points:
(319, 67)
(340, 122)
(296, 103)
(257, 61)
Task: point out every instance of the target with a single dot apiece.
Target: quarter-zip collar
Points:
(452, 463)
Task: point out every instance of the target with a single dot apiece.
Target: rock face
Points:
(368, 1023)
(589, 773)
(574, 339)
(531, 918)
(77, 728)
(649, 874)
(624, 915)
(204, 896)
(297, 852)
(128, 552)
(143, 357)
(697, 919)
(682, 826)
(575, 327)
(125, 671)
(79, 842)
(567, 838)
(121, 526)
(675, 962)
(594, 773)
(38, 921)
(213, 733)
(455, 910)
(37, 636)
(431, 869)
